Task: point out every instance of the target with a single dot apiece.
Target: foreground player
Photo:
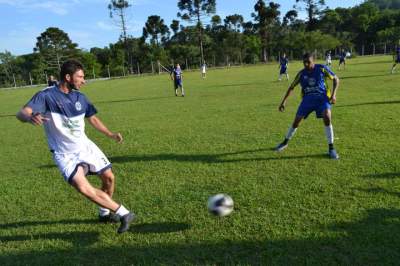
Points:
(176, 77)
(62, 110)
(316, 97)
(396, 59)
(283, 66)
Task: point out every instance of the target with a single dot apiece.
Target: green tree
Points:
(55, 46)
(194, 11)
(313, 9)
(156, 30)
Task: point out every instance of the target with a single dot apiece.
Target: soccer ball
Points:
(220, 205)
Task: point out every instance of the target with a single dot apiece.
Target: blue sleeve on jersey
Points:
(90, 109)
(38, 103)
(329, 72)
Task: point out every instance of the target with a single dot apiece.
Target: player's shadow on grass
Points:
(370, 103)
(211, 158)
(45, 223)
(379, 190)
(158, 228)
(133, 100)
(372, 239)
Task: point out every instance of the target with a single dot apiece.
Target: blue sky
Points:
(87, 22)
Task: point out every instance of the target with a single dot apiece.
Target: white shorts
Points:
(90, 157)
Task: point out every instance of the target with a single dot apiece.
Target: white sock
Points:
(183, 91)
(103, 211)
(291, 133)
(122, 211)
(329, 134)
(287, 76)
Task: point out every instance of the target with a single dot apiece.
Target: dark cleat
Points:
(281, 147)
(126, 220)
(110, 218)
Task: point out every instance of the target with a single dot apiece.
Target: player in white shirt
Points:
(62, 110)
(204, 70)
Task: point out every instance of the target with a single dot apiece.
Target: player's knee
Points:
(108, 177)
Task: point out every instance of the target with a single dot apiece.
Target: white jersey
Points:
(203, 69)
(66, 112)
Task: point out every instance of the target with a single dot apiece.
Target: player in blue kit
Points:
(62, 110)
(342, 60)
(176, 77)
(396, 59)
(283, 67)
(317, 97)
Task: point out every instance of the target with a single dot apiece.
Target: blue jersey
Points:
(284, 62)
(66, 112)
(398, 54)
(314, 82)
(177, 72)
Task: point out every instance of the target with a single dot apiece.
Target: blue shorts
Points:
(283, 70)
(397, 60)
(311, 103)
(342, 60)
(178, 83)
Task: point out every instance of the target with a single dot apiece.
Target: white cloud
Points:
(56, 7)
(105, 26)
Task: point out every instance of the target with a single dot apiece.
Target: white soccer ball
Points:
(220, 205)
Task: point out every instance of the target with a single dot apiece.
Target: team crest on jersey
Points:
(311, 82)
(78, 106)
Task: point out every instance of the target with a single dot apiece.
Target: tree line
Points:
(199, 35)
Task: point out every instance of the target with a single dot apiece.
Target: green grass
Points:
(297, 207)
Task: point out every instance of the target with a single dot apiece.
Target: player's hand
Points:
(333, 99)
(282, 107)
(117, 137)
(38, 120)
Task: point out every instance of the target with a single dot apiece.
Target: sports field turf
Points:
(296, 207)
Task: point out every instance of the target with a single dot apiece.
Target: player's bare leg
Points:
(101, 198)
(393, 68)
(327, 118)
(108, 184)
(182, 91)
(291, 132)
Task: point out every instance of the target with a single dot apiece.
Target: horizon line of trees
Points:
(202, 36)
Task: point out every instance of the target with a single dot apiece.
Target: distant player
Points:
(52, 81)
(317, 97)
(176, 77)
(328, 58)
(342, 60)
(283, 67)
(62, 110)
(204, 71)
(396, 59)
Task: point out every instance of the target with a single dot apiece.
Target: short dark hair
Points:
(308, 56)
(70, 67)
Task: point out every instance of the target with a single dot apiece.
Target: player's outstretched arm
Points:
(99, 126)
(26, 115)
(289, 92)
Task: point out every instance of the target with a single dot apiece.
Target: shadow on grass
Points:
(134, 100)
(379, 190)
(383, 175)
(369, 103)
(157, 228)
(365, 76)
(210, 158)
(374, 239)
(5, 116)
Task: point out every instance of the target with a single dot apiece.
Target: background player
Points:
(283, 66)
(328, 58)
(396, 58)
(62, 110)
(204, 71)
(342, 60)
(316, 97)
(176, 76)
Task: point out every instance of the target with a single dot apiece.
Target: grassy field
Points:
(296, 207)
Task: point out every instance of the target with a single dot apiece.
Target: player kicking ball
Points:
(62, 110)
(176, 77)
(317, 97)
(396, 59)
